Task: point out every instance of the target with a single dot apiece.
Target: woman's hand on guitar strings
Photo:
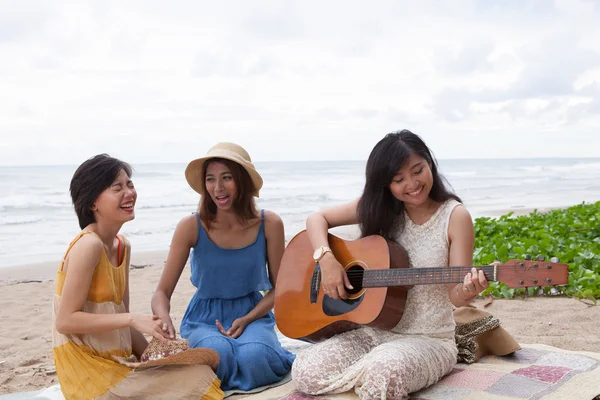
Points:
(474, 283)
(334, 277)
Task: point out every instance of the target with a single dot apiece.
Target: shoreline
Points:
(45, 271)
(41, 271)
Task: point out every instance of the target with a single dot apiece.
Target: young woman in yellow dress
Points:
(91, 318)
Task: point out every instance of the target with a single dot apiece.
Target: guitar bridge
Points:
(315, 283)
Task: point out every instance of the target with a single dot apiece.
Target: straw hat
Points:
(478, 334)
(174, 352)
(228, 151)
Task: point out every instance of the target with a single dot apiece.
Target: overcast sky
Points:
(158, 81)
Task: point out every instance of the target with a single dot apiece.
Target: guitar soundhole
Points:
(355, 276)
(333, 307)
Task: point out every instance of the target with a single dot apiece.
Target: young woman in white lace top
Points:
(405, 199)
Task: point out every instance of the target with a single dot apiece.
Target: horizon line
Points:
(318, 160)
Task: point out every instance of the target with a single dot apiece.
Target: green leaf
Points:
(507, 293)
(503, 251)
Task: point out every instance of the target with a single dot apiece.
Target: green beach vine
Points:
(571, 234)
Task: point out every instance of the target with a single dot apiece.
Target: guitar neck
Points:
(422, 276)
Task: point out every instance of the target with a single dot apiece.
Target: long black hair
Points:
(379, 212)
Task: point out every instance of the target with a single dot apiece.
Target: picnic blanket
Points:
(536, 372)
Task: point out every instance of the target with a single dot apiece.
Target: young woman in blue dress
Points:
(235, 254)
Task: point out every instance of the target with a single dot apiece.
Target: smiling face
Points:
(220, 185)
(116, 203)
(413, 182)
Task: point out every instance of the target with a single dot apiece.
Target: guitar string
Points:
(445, 274)
(416, 271)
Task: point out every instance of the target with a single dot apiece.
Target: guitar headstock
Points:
(530, 273)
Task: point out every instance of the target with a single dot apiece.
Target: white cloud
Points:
(151, 81)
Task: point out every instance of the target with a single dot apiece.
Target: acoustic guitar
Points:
(378, 269)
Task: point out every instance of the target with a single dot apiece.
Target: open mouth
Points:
(127, 206)
(416, 193)
(221, 200)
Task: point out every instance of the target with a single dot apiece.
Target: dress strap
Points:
(79, 236)
(118, 249)
(200, 230)
(261, 230)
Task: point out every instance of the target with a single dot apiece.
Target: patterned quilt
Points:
(534, 372)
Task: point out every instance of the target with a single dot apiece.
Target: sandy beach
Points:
(318, 106)
(25, 346)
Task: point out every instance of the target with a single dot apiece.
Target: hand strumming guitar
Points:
(334, 277)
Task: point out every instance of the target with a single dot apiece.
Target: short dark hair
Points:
(379, 212)
(89, 180)
(244, 205)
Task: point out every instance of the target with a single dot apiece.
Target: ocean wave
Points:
(302, 198)
(32, 207)
(24, 220)
(459, 174)
(161, 206)
(498, 187)
(535, 168)
(149, 232)
(29, 208)
(583, 166)
(144, 175)
(580, 166)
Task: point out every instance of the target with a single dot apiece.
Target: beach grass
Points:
(572, 234)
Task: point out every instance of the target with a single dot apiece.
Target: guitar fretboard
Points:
(421, 276)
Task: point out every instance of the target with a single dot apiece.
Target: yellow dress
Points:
(84, 363)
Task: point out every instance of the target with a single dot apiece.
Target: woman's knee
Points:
(252, 353)
(383, 382)
(309, 375)
(220, 344)
(396, 378)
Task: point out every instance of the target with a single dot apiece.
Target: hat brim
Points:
(496, 341)
(193, 171)
(191, 356)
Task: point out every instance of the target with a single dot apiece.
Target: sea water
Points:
(37, 220)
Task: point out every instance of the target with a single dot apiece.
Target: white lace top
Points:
(428, 307)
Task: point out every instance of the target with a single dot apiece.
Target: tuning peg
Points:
(554, 260)
(540, 258)
(528, 257)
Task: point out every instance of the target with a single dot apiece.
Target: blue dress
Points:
(228, 283)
